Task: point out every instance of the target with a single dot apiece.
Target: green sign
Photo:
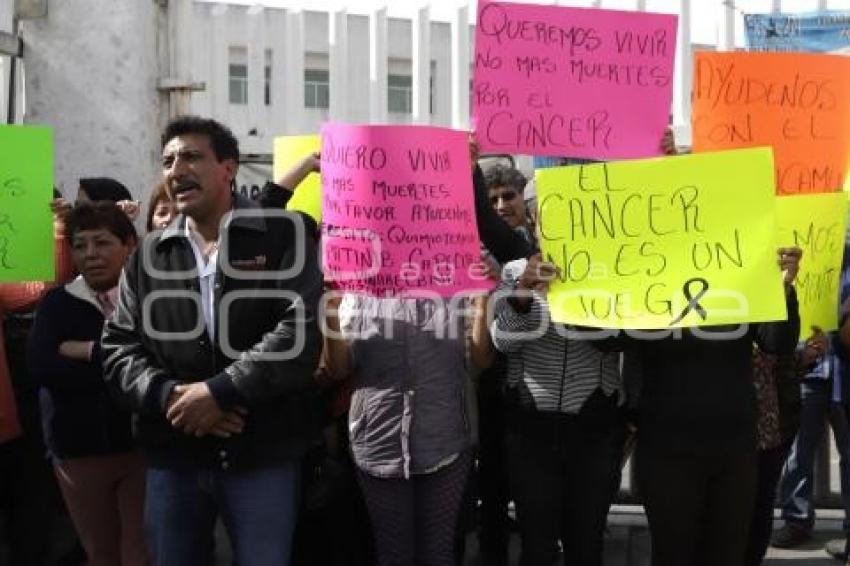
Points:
(26, 189)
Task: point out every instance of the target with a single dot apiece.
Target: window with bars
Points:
(238, 75)
(316, 88)
(400, 94)
(238, 84)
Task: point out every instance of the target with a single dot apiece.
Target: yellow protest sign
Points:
(665, 242)
(288, 150)
(816, 224)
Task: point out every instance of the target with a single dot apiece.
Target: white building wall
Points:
(91, 74)
(358, 69)
(221, 26)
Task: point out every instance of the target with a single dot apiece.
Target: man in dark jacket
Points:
(213, 345)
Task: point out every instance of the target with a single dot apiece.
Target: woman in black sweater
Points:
(100, 473)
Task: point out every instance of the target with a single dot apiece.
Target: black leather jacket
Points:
(157, 339)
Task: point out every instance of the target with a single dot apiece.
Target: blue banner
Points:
(815, 32)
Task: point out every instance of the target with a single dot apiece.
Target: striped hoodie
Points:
(553, 370)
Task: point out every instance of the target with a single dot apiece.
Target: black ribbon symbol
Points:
(693, 300)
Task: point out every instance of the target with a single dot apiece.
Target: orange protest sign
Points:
(798, 103)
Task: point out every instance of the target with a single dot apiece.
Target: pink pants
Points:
(105, 496)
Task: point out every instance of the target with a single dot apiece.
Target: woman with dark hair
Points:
(505, 187)
(97, 189)
(94, 189)
(99, 471)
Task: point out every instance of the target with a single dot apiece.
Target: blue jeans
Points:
(257, 507)
(797, 476)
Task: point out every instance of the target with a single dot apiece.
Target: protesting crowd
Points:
(243, 366)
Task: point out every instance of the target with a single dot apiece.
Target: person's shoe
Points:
(790, 536)
(837, 548)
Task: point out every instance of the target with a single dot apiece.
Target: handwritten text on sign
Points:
(797, 103)
(816, 224)
(26, 186)
(398, 210)
(571, 81)
(678, 241)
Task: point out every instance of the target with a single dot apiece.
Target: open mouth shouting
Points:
(184, 190)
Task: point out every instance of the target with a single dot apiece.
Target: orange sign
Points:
(798, 103)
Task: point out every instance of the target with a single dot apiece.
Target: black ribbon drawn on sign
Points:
(693, 300)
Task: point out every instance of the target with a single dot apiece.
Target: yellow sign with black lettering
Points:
(666, 242)
(289, 150)
(816, 224)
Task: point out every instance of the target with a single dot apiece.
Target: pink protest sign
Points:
(574, 82)
(398, 211)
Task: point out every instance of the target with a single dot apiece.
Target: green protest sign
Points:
(26, 189)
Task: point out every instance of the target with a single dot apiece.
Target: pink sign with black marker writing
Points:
(398, 211)
(575, 82)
